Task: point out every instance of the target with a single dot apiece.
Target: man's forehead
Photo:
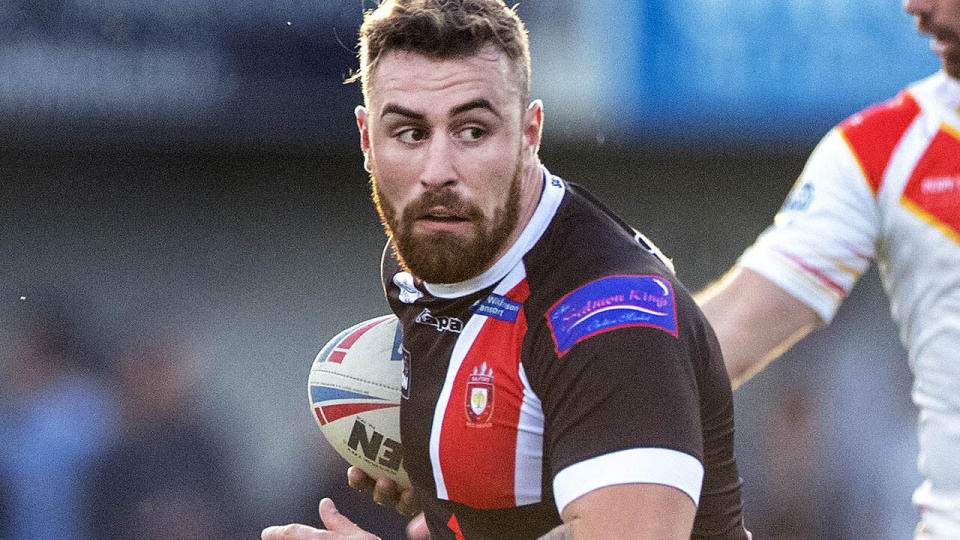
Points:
(403, 75)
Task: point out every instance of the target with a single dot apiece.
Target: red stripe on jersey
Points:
(934, 185)
(336, 412)
(454, 526)
(484, 444)
(873, 134)
(341, 349)
(824, 278)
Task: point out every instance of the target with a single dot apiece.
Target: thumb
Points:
(333, 520)
(417, 528)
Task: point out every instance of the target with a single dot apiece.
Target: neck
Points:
(531, 188)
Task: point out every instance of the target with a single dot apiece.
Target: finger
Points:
(386, 492)
(407, 505)
(294, 531)
(333, 520)
(359, 480)
(417, 528)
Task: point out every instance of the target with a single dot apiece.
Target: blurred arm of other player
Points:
(755, 321)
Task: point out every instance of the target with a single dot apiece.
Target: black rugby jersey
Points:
(575, 362)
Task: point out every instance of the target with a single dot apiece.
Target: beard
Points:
(444, 257)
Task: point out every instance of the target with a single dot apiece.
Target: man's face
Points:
(940, 19)
(448, 144)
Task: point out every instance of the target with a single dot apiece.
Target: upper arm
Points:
(755, 320)
(621, 398)
(631, 511)
(825, 235)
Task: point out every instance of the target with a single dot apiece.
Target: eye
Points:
(411, 135)
(471, 134)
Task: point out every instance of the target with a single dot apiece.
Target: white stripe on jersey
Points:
(634, 465)
(529, 456)
(528, 472)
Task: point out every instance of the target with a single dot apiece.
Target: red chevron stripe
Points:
(873, 134)
(336, 412)
(934, 187)
(824, 278)
(340, 351)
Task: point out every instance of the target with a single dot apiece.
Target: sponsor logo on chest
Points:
(497, 306)
(441, 323)
(944, 188)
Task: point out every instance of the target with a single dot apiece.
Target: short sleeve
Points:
(622, 407)
(824, 236)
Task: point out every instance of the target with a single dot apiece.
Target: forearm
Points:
(563, 532)
(755, 321)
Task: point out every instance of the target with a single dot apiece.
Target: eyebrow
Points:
(475, 104)
(403, 111)
(459, 109)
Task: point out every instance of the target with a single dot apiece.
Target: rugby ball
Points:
(354, 393)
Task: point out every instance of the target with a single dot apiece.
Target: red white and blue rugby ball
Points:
(355, 396)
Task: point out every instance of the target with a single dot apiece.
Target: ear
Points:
(533, 126)
(364, 127)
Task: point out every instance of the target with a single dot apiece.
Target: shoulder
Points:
(887, 116)
(587, 245)
(586, 233)
(593, 274)
(874, 133)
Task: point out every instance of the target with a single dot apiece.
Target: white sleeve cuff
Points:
(795, 280)
(632, 466)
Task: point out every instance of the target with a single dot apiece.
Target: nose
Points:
(917, 8)
(439, 168)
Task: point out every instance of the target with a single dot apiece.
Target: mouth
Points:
(440, 218)
(942, 42)
(443, 214)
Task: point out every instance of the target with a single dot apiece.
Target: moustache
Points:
(925, 26)
(450, 202)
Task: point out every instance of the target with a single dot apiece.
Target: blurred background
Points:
(184, 222)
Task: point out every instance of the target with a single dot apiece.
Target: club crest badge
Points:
(480, 396)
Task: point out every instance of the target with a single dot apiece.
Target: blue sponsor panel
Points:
(499, 307)
(611, 303)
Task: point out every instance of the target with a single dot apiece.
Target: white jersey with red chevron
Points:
(884, 185)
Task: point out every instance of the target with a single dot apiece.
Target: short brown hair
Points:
(443, 29)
